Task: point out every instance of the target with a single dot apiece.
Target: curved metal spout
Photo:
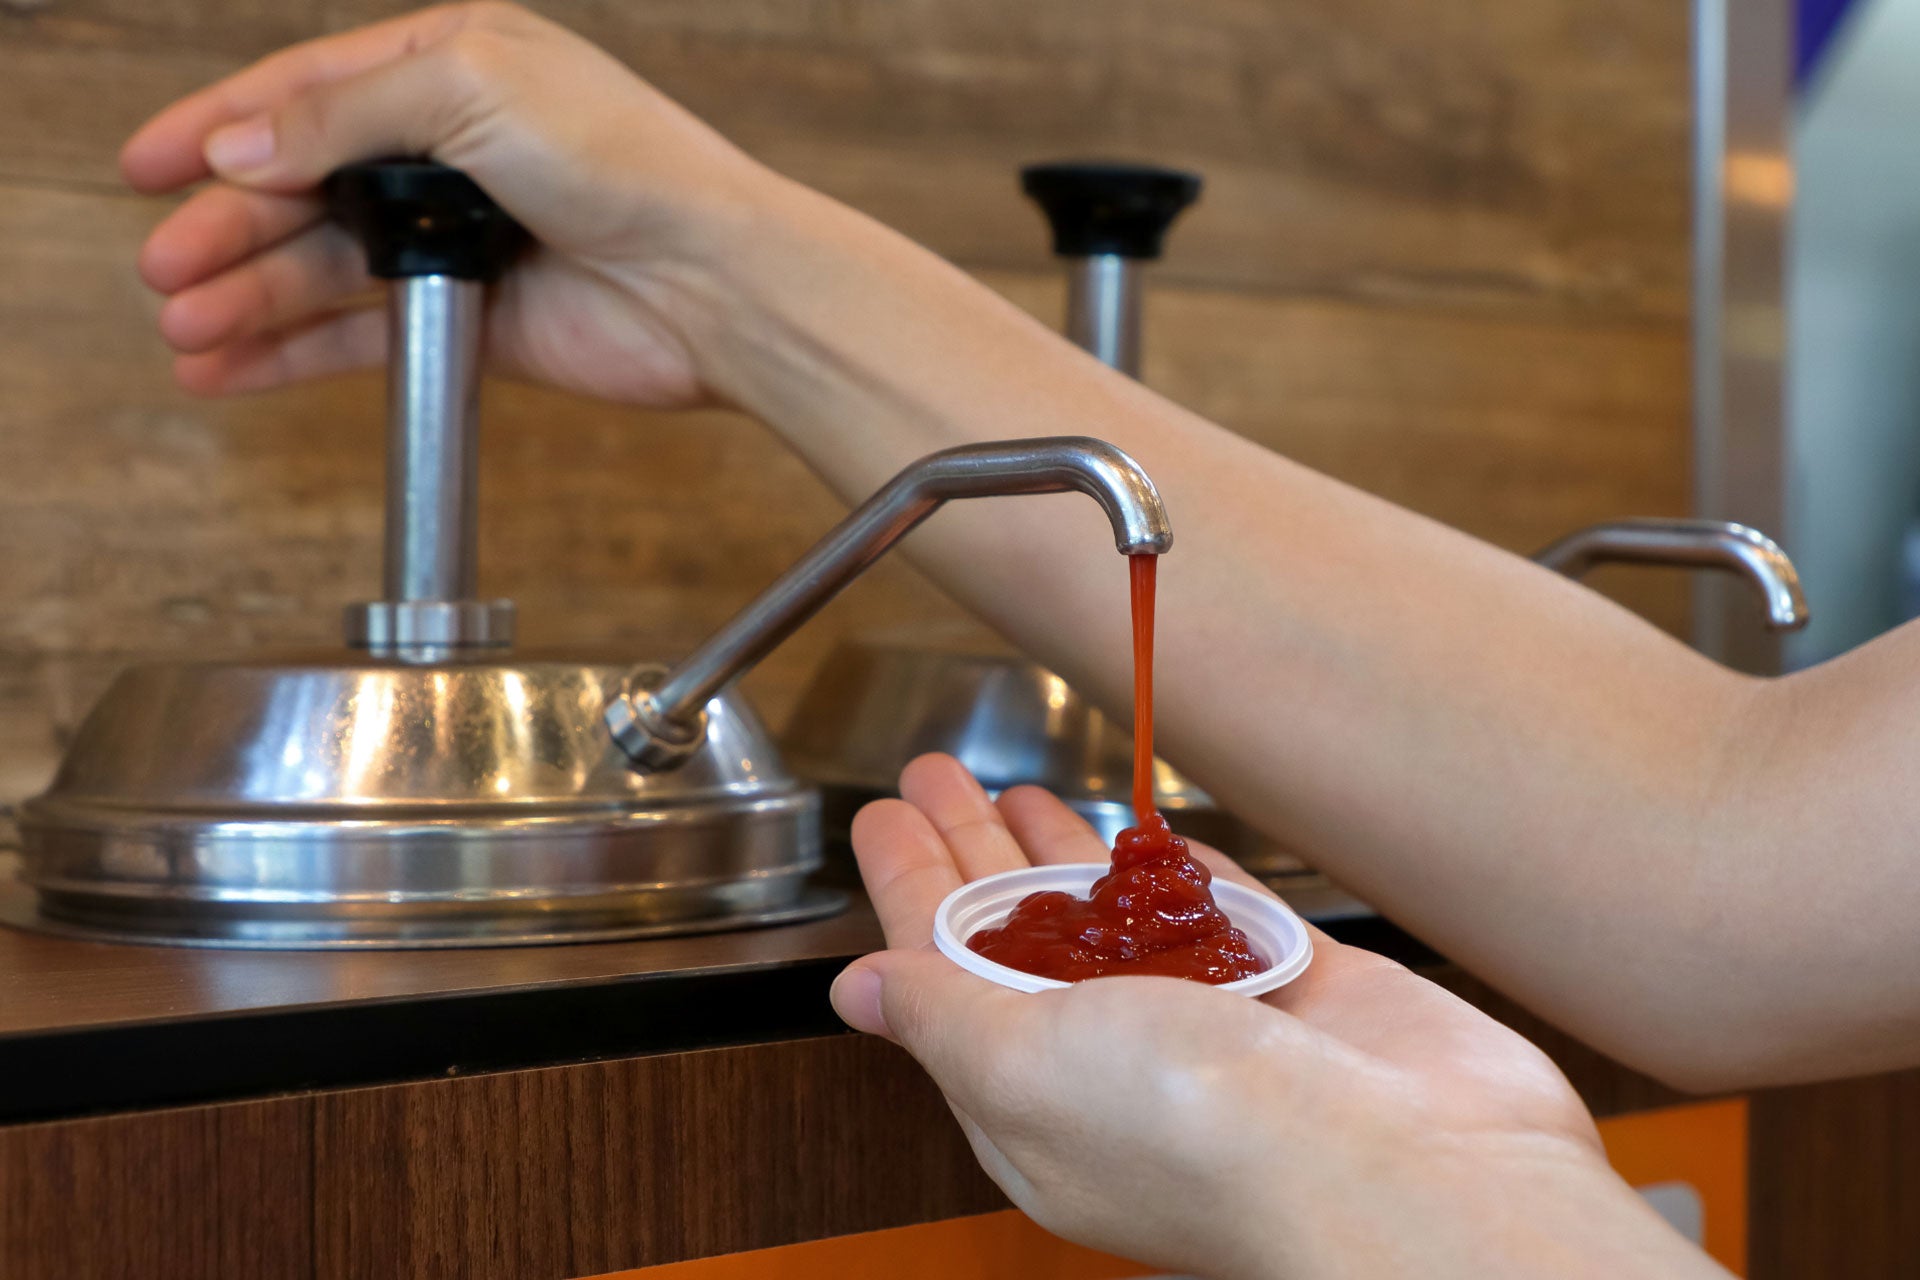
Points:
(659, 724)
(1703, 544)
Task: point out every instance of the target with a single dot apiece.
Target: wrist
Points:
(740, 272)
(860, 346)
(1519, 1206)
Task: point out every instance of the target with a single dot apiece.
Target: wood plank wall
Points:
(1442, 254)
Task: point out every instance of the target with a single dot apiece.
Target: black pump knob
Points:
(1097, 208)
(420, 218)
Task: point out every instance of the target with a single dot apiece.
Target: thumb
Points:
(947, 1018)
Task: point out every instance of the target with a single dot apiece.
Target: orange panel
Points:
(1703, 1146)
(991, 1246)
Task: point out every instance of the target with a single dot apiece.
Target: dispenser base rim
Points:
(812, 902)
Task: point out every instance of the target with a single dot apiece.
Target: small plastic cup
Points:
(1277, 934)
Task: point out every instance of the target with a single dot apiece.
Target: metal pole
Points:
(1103, 309)
(433, 444)
(1742, 188)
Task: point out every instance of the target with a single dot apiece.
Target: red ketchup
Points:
(1153, 912)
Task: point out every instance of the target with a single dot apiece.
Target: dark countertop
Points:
(88, 1027)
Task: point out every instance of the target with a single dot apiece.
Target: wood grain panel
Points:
(572, 1170)
(1512, 429)
(1507, 153)
(1836, 1188)
(204, 1192)
(579, 1170)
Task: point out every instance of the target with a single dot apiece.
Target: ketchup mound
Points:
(1151, 914)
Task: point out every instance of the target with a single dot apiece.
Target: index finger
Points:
(907, 868)
(957, 806)
(1047, 829)
(165, 153)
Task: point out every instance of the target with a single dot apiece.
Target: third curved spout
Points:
(1704, 544)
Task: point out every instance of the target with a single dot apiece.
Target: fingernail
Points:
(856, 998)
(237, 148)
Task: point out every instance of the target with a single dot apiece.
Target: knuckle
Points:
(342, 264)
(477, 58)
(252, 221)
(903, 878)
(973, 827)
(498, 14)
(269, 287)
(309, 124)
(909, 1015)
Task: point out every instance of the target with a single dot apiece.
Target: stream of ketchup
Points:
(1153, 913)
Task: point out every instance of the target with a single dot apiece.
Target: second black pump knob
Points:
(1107, 220)
(1099, 207)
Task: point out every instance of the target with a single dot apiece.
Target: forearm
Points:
(1545, 787)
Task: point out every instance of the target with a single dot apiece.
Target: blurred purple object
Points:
(1814, 29)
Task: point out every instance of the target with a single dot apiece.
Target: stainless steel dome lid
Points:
(341, 801)
(352, 736)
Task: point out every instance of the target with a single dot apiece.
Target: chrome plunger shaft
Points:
(433, 448)
(439, 238)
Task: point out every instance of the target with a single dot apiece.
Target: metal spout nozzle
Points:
(660, 723)
(1703, 544)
